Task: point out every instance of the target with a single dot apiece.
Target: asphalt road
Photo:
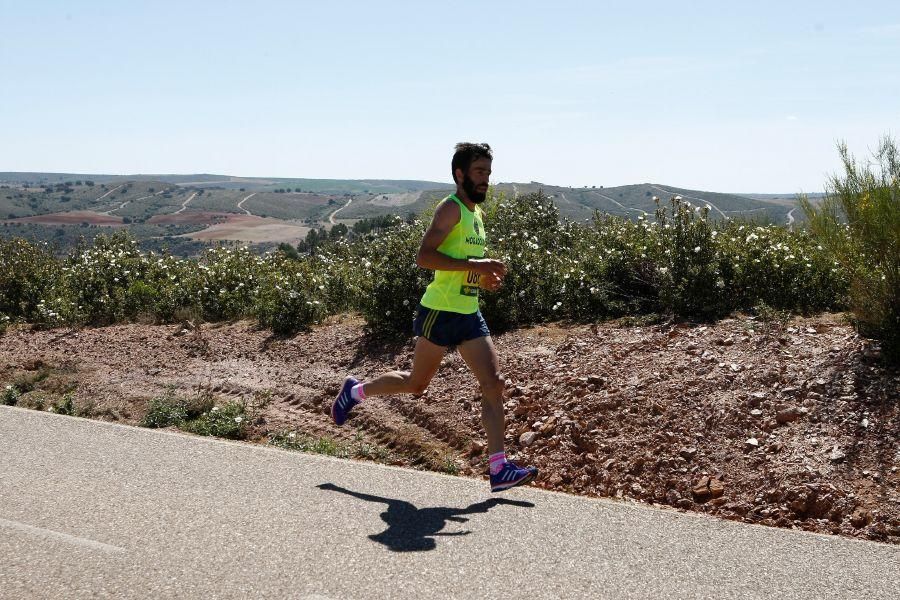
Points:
(97, 510)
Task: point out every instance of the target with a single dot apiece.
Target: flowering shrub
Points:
(96, 281)
(690, 281)
(392, 283)
(28, 276)
(679, 263)
(227, 282)
(228, 421)
(288, 297)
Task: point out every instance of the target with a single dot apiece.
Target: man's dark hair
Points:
(465, 154)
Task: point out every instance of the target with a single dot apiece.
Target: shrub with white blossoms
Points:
(290, 297)
(681, 263)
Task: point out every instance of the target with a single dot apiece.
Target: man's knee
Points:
(493, 387)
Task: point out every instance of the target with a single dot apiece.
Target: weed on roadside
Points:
(227, 421)
(291, 440)
(772, 320)
(65, 406)
(165, 411)
(10, 395)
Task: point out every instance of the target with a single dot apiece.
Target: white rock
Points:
(753, 442)
(527, 438)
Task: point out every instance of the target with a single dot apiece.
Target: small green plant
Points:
(773, 320)
(165, 411)
(227, 421)
(65, 406)
(201, 402)
(449, 466)
(291, 440)
(11, 395)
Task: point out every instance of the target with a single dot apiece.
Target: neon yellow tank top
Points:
(457, 291)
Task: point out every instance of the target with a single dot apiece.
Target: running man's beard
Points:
(474, 195)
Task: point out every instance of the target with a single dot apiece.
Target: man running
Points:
(448, 315)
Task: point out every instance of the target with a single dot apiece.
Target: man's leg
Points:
(426, 361)
(482, 359)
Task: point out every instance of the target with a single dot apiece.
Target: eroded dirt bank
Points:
(795, 427)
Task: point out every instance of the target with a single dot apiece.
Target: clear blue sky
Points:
(706, 95)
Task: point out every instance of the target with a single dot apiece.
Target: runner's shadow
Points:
(412, 529)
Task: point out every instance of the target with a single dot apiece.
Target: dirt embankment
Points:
(795, 427)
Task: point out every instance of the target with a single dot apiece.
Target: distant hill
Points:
(320, 186)
(202, 207)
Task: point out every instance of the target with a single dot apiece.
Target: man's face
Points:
(475, 181)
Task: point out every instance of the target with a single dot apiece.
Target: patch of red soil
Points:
(192, 218)
(75, 217)
(796, 427)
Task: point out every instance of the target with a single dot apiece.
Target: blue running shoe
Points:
(344, 402)
(511, 476)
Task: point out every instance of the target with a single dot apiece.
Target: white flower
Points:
(696, 249)
(238, 419)
(214, 409)
(406, 303)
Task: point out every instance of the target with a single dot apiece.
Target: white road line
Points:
(331, 216)
(656, 187)
(184, 204)
(109, 192)
(790, 217)
(643, 212)
(121, 206)
(239, 205)
(64, 537)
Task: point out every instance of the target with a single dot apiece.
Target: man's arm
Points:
(445, 219)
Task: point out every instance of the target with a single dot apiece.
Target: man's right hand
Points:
(488, 266)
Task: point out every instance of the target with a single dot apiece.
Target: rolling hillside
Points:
(203, 208)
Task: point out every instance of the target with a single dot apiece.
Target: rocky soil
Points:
(792, 426)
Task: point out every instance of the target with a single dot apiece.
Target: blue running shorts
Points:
(446, 328)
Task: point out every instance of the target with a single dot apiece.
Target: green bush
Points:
(228, 279)
(29, 276)
(393, 283)
(691, 284)
(165, 411)
(679, 263)
(288, 299)
(65, 406)
(227, 421)
(859, 223)
(10, 395)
